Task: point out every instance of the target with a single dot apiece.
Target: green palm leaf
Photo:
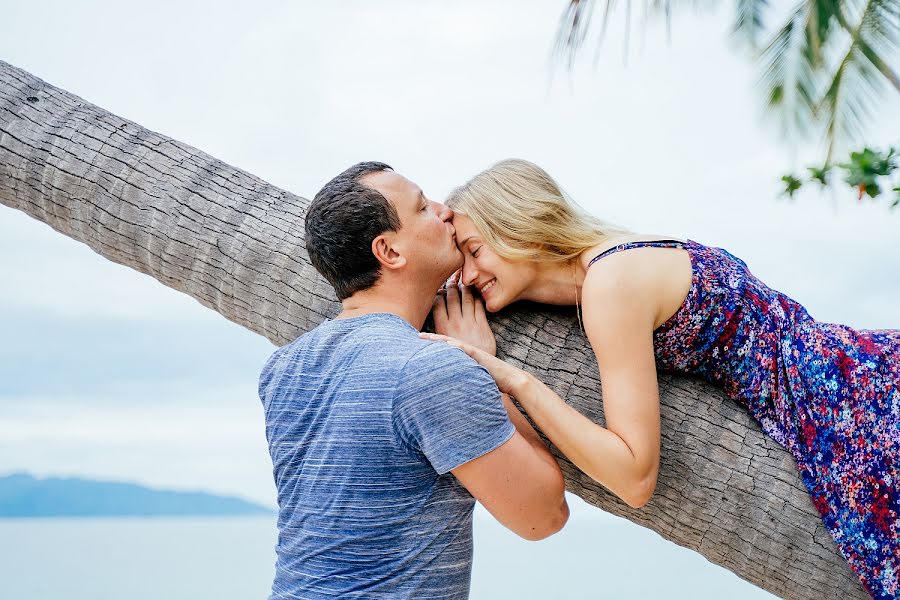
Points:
(749, 21)
(823, 71)
(789, 77)
(862, 75)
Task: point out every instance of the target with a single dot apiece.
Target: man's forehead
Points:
(393, 186)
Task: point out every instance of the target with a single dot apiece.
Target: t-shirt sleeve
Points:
(448, 407)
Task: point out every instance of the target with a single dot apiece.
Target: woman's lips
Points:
(487, 287)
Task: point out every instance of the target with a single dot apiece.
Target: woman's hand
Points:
(509, 379)
(458, 314)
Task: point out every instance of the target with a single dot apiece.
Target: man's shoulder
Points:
(438, 366)
(430, 355)
(357, 332)
(376, 341)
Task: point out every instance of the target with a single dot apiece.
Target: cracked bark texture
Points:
(234, 243)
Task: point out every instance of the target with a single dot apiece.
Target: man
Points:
(381, 441)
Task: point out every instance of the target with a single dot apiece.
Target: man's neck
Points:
(411, 306)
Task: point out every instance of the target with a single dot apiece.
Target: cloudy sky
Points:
(106, 373)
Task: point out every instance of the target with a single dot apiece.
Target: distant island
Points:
(22, 495)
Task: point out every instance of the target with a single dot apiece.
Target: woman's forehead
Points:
(465, 229)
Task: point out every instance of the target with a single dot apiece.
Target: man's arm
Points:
(519, 482)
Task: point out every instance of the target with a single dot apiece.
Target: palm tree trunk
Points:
(235, 244)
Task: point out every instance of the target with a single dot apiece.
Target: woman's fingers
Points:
(455, 314)
(436, 337)
(480, 315)
(453, 304)
(469, 349)
(439, 313)
(504, 374)
(468, 301)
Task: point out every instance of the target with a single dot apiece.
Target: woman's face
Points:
(500, 281)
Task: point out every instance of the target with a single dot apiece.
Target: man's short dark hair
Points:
(342, 220)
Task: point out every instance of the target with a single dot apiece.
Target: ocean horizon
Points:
(597, 555)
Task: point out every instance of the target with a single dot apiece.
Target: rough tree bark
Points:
(235, 243)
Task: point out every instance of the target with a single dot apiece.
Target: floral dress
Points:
(828, 393)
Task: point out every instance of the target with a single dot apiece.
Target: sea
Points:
(597, 556)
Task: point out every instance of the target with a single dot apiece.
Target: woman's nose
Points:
(469, 273)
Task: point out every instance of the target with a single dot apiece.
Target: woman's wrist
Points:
(522, 386)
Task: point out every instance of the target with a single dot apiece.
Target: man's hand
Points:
(458, 314)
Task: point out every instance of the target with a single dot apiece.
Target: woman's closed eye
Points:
(474, 252)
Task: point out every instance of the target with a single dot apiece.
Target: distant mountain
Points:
(22, 495)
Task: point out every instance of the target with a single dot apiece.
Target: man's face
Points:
(426, 238)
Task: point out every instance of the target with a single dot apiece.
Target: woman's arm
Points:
(597, 451)
(624, 456)
(604, 455)
(620, 309)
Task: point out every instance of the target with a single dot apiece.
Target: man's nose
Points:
(444, 211)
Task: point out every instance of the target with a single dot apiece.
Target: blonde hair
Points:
(523, 214)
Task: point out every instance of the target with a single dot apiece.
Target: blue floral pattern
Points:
(828, 393)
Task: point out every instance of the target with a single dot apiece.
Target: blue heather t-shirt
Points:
(364, 421)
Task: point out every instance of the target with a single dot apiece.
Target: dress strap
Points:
(638, 244)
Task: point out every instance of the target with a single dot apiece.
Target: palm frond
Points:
(860, 77)
(822, 17)
(789, 78)
(576, 18)
(879, 36)
(603, 26)
(823, 70)
(573, 27)
(749, 22)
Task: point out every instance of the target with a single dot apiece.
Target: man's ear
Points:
(384, 250)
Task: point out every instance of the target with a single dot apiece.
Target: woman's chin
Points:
(492, 306)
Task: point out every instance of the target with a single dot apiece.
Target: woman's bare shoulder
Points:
(655, 281)
(618, 240)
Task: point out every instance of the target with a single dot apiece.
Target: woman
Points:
(828, 393)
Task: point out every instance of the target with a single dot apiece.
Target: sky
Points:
(106, 373)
